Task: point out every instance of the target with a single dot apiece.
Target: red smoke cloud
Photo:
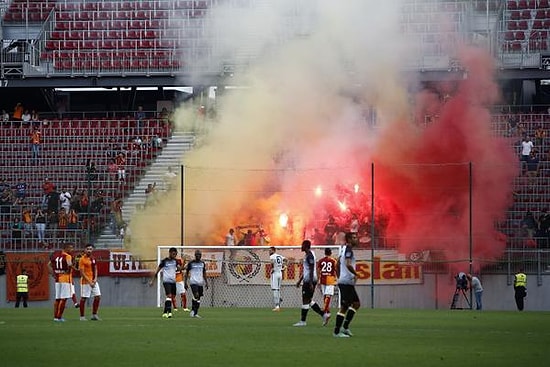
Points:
(423, 174)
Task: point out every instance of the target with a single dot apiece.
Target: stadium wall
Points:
(436, 292)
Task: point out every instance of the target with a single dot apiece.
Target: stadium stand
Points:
(82, 43)
(66, 147)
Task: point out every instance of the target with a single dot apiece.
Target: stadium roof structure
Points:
(147, 43)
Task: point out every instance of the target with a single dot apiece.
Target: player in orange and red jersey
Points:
(180, 287)
(89, 286)
(326, 268)
(60, 267)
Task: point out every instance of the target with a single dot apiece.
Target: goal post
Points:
(239, 276)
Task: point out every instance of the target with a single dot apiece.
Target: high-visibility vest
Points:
(520, 280)
(22, 283)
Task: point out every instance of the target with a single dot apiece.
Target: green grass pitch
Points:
(259, 337)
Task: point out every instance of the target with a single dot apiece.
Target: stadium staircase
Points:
(170, 158)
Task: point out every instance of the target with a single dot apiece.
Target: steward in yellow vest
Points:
(22, 288)
(520, 289)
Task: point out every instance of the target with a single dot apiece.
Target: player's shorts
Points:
(327, 290)
(169, 288)
(72, 289)
(87, 291)
(276, 279)
(198, 290)
(180, 287)
(348, 295)
(307, 292)
(63, 290)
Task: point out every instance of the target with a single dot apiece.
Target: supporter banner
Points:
(389, 268)
(124, 263)
(36, 265)
(214, 261)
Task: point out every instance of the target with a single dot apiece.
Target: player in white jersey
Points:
(195, 276)
(346, 284)
(309, 277)
(278, 264)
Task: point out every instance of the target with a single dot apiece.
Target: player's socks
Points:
(61, 308)
(55, 308)
(326, 304)
(194, 306)
(339, 321)
(183, 300)
(167, 305)
(95, 305)
(82, 306)
(305, 309)
(349, 316)
(276, 298)
(315, 307)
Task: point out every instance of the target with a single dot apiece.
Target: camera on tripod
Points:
(461, 281)
(461, 287)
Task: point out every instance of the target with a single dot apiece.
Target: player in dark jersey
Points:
(309, 278)
(347, 277)
(195, 276)
(169, 266)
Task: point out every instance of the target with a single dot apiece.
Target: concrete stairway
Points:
(171, 156)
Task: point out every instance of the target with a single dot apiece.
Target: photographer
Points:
(475, 285)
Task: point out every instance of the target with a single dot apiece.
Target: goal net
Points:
(240, 276)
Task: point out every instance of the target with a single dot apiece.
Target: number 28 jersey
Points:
(327, 270)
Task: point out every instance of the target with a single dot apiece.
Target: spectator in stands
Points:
(121, 167)
(137, 143)
(18, 111)
(532, 164)
(36, 138)
(35, 120)
(84, 201)
(65, 200)
(17, 231)
(40, 224)
(529, 225)
(47, 187)
(330, 230)
(157, 142)
(26, 118)
(5, 118)
(150, 193)
(164, 113)
(540, 136)
(116, 214)
(354, 224)
(72, 220)
(62, 223)
(544, 229)
(526, 148)
(140, 117)
(20, 191)
(98, 202)
(91, 170)
(53, 202)
(26, 218)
